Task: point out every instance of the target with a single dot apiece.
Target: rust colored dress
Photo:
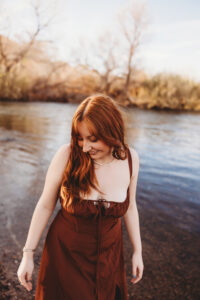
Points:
(83, 258)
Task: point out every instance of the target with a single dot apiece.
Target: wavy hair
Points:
(104, 121)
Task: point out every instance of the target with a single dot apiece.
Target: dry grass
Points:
(163, 91)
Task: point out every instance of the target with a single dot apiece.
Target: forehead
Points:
(84, 129)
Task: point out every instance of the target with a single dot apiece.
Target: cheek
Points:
(104, 147)
(99, 145)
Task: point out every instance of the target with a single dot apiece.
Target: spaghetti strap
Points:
(130, 162)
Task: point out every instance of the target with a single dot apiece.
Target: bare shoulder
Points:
(59, 161)
(135, 161)
(134, 154)
(63, 152)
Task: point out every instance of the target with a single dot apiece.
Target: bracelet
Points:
(28, 250)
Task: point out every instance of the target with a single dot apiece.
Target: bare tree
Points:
(52, 86)
(107, 59)
(13, 54)
(112, 53)
(133, 22)
(99, 56)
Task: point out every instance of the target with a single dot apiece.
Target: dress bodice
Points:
(93, 208)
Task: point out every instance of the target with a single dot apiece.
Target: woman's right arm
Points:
(43, 211)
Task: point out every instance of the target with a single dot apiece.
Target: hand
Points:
(137, 267)
(25, 271)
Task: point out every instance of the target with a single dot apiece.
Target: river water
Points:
(168, 144)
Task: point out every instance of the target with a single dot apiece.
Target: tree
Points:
(13, 55)
(107, 59)
(133, 22)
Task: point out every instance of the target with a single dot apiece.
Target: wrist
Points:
(28, 255)
(28, 251)
(137, 251)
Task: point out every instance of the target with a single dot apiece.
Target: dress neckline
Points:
(104, 200)
(107, 201)
(127, 194)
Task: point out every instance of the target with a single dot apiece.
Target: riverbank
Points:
(160, 92)
(171, 262)
(145, 102)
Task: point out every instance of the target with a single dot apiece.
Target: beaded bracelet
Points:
(28, 250)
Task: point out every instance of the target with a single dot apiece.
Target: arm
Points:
(43, 212)
(131, 220)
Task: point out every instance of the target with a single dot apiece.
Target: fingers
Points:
(26, 280)
(137, 275)
(29, 280)
(29, 277)
(134, 272)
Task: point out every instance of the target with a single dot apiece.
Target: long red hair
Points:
(104, 120)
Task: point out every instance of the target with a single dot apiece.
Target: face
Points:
(91, 144)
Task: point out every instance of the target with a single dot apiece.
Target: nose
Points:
(86, 146)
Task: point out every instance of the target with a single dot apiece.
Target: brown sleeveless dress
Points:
(83, 258)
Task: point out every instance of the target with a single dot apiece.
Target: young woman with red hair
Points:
(95, 177)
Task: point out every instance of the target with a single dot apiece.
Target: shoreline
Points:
(123, 104)
(170, 256)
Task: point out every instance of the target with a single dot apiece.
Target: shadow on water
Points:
(168, 201)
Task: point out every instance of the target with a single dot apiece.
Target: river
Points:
(168, 144)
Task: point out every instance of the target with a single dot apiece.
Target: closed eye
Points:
(93, 139)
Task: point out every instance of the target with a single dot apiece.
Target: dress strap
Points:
(130, 162)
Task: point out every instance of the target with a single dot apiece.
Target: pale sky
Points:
(171, 42)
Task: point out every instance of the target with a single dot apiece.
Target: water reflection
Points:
(168, 144)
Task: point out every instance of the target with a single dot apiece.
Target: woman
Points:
(95, 177)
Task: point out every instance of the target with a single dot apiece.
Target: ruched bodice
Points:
(91, 208)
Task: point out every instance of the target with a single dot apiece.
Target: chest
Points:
(113, 181)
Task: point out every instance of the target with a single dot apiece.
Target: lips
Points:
(93, 152)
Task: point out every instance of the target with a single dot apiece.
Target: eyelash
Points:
(93, 141)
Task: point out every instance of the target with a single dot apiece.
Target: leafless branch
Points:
(133, 22)
(13, 56)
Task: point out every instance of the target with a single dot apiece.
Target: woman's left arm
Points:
(131, 220)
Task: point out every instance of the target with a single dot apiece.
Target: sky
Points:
(171, 41)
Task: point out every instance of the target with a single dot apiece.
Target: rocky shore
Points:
(170, 254)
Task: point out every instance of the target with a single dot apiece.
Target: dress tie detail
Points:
(100, 209)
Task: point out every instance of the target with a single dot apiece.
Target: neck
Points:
(106, 161)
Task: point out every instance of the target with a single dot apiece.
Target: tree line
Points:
(29, 73)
